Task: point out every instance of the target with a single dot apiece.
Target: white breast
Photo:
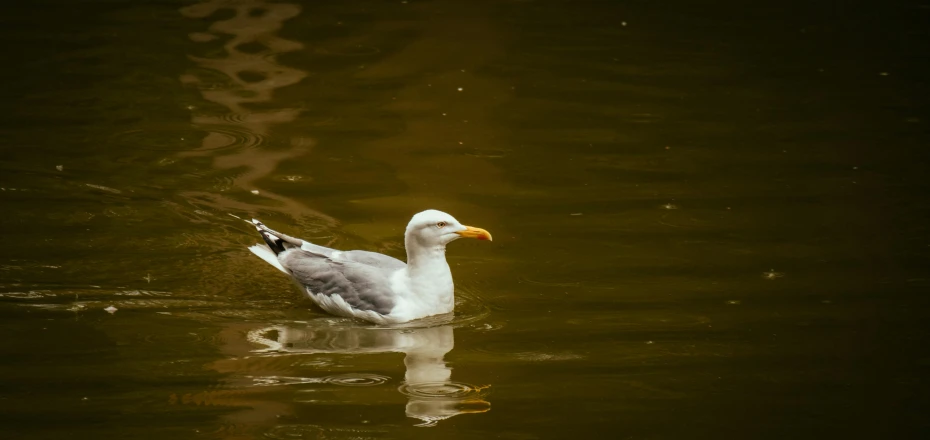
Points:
(419, 297)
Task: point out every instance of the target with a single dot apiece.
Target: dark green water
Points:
(710, 218)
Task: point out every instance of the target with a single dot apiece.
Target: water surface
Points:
(710, 219)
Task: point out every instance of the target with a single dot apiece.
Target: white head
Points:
(432, 228)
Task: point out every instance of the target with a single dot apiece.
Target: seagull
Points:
(372, 286)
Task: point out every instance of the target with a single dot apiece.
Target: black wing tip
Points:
(274, 243)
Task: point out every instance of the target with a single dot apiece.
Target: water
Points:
(710, 220)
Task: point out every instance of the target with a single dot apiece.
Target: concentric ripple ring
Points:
(442, 390)
(356, 379)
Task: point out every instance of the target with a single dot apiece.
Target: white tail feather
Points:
(266, 254)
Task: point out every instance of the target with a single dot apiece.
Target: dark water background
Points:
(710, 218)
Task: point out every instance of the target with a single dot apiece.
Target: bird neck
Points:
(430, 259)
(429, 273)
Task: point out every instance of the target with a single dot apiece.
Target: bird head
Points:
(436, 228)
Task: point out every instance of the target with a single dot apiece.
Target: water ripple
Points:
(525, 351)
(443, 390)
(286, 432)
(550, 283)
(345, 380)
(356, 379)
(189, 337)
(208, 138)
(142, 293)
(32, 294)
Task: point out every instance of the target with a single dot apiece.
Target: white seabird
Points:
(369, 285)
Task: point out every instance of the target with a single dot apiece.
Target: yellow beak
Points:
(472, 232)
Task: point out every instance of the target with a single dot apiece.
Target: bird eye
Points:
(441, 225)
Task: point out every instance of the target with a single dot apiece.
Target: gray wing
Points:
(374, 259)
(362, 286)
(316, 249)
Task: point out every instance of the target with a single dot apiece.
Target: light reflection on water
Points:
(250, 75)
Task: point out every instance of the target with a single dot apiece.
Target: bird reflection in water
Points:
(431, 394)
